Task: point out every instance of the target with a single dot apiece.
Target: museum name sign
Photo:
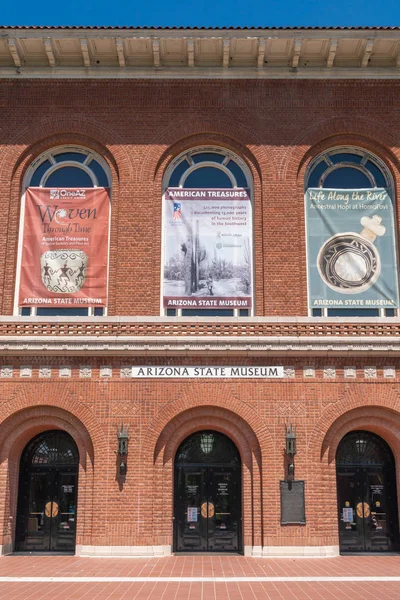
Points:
(179, 372)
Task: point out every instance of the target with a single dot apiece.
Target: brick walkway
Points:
(199, 578)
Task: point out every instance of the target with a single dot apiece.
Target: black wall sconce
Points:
(291, 450)
(122, 452)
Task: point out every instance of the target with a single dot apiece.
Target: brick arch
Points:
(15, 432)
(197, 419)
(54, 140)
(55, 395)
(352, 400)
(63, 129)
(383, 421)
(385, 153)
(325, 130)
(208, 130)
(207, 139)
(209, 396)
(184, 421)
(18, 429)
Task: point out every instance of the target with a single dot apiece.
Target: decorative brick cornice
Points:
(199, 346)
(160, 336)
(202, 327)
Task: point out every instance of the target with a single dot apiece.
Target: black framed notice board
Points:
(293, 511)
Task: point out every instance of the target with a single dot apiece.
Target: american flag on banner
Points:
(177, 211)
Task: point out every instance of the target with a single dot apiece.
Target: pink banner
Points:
(65, 247)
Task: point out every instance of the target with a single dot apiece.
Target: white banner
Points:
(207, 248)
(179, 372)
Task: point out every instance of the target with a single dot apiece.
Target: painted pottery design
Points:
(64, 271)
(349, 262)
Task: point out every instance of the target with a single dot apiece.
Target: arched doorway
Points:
(367, 498)
(207, 511)
(47, 494)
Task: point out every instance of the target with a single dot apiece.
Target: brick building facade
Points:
(274, 109)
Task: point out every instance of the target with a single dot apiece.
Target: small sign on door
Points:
(68, 489)
(192, 514)
(347, 515)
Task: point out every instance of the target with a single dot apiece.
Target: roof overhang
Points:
(179, 53)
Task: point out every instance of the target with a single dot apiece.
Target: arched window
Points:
(65, 167)
(348, 168)
(68, 167)
(212, 168)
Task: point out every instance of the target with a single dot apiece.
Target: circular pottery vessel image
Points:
(64, 271)
(349, 262)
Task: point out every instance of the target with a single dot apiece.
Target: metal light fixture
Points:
(291, 450)
(207, 442)
(122, 452)
(361, 445)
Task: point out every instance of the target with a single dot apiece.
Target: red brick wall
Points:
(162, 413)
(277, 127)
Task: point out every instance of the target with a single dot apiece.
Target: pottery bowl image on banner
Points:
(348, 263)
(64, 271)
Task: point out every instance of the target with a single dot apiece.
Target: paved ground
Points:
(199, 578)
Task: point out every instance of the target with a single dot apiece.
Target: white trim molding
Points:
(196, 346)
(123, 551)
(235, 53)
(300, 551)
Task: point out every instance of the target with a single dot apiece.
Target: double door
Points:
(367, 510)
(207, 509)
(47, 510)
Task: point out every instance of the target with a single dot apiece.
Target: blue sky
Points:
(201, 12)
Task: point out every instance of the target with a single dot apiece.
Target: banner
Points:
(65, 247)
(351, 249)
(207, 248)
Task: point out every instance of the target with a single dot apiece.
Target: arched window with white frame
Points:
(352, 168)
(62, 167)
(224, 180)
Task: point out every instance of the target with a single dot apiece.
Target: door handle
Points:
(207, 510)
(51, 509)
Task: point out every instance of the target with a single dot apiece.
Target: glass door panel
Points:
(191, 525)
(224, 509)
(35, 524)
(377, 522)
(63, 525)
(351, 520)
(208, 509)
(207, 494)
(47, 511)
(367, 510)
